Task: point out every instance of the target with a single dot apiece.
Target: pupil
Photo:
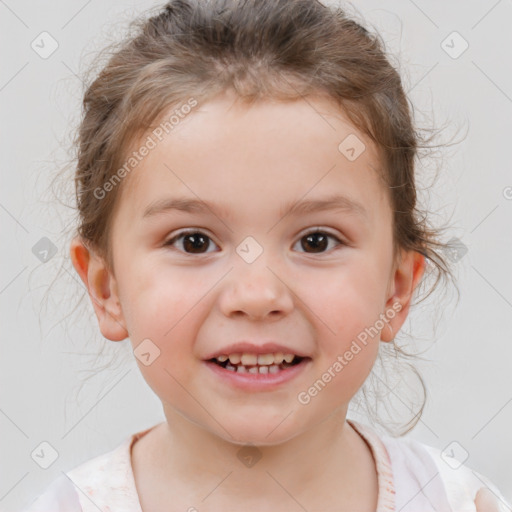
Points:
(201, 240)
(312, 240)
(195, 241)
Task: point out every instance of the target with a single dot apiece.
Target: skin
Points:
(252, 160)
(486, 501)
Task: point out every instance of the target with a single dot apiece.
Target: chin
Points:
(260, 433)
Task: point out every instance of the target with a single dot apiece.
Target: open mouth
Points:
(257, 364)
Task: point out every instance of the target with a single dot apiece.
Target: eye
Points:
(318, 240)
(197, 242)
(194, 241)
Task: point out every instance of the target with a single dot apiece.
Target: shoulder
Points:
(66, 493)
(106, 481)
(59, 496)
(424, 469)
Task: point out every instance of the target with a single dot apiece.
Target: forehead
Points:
(269, 153)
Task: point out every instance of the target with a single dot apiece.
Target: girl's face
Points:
(252, 271)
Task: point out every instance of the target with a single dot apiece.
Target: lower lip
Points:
(258, 381)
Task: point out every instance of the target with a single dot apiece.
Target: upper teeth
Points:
(253, 359)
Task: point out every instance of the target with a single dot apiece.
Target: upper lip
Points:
(246, 347)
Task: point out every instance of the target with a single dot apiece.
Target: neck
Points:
(329, 457)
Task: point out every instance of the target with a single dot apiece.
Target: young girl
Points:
(248, 219)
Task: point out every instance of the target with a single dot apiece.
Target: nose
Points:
(256, 291)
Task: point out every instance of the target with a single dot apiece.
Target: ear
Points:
(102, 288)
(404, 280)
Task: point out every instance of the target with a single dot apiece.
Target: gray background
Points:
(53, 387)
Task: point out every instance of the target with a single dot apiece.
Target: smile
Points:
(254, 372)
(257, 363)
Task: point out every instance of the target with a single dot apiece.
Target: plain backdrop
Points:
(455, 58)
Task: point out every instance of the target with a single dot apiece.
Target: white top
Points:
(412, 477)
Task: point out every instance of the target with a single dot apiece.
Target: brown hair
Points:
(285, 49)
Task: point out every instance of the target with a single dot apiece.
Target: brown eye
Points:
(193, 242)
(318, 241)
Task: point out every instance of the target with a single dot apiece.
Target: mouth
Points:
(257, 364)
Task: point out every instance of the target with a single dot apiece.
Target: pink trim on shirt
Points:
(120, 493)
(411, 477)
(386, 496)
(386, 493)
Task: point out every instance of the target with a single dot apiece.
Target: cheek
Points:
(162, 321)
(344, 300)
(163, 313)
(345, 309)
(160, 302)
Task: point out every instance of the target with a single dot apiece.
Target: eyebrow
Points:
(185, 204)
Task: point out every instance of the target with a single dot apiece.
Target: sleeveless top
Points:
(412, 477)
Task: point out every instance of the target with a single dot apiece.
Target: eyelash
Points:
(184, 233)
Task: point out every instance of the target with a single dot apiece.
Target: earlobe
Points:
(102, 289)
(406, 278)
